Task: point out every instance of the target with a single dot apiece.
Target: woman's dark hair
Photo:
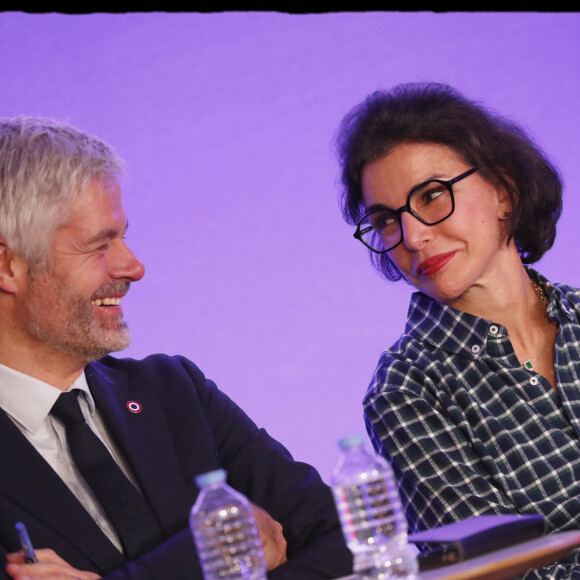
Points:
(437, 113)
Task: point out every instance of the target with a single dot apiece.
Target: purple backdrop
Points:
(225, 122)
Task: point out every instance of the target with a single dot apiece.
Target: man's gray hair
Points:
(44, 166)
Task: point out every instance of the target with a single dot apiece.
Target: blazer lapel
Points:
(134, 418)
(28, 480)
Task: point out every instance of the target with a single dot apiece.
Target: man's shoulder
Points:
(157, 370)
(152, 362)
(172, 383)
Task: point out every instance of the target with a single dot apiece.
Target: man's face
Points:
(74, 306)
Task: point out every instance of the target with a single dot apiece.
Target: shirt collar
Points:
(558, 305)
(28, 401)
(444, 327)
(453, 330)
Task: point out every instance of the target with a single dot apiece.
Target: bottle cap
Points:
(205, 479)
(351, 441)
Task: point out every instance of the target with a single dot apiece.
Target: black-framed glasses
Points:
(430, 202)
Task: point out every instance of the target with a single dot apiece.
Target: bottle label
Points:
(370, 512)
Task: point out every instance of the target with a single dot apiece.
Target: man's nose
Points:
(126, 265)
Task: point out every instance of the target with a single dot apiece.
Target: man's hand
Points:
(49, 566)
(52, 566)
(272, 538)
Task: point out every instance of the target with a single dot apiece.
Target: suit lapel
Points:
(28, 481)
(144, 438)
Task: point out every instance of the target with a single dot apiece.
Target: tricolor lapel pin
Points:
(134, 406)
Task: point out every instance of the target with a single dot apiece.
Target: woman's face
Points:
(467, 249)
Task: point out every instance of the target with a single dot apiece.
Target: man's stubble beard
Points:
(63, 319)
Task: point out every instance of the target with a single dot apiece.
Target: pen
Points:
(29, 555)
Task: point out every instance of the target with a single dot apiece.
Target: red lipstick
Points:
(432, 265)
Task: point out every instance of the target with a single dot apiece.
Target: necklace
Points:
(529, 363)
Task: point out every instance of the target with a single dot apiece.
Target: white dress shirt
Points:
(28, 402)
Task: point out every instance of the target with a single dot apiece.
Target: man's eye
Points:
(104, 247)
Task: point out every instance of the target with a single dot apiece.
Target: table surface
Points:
(508, 563)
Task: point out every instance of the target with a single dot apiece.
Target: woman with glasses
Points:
(477, 405)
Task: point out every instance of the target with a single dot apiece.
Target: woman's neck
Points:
(505, 296)
(511, 299)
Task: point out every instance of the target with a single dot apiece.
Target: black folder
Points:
(475, 536)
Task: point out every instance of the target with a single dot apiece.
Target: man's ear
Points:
(12, 268)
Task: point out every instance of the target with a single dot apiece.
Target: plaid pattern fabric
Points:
(470, 431)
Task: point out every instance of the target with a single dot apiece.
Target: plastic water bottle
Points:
(371, 515)
(225, 531)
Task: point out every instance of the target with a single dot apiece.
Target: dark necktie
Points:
(126, 507)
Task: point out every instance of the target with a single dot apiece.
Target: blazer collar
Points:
(133, 415)
(31, 483)
(143, 437)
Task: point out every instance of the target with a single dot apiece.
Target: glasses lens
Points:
(432, 202)
(380, 230)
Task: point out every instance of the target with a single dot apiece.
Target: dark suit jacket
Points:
(186, 427)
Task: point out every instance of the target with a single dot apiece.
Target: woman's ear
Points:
(504, 216)
(504, 200)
